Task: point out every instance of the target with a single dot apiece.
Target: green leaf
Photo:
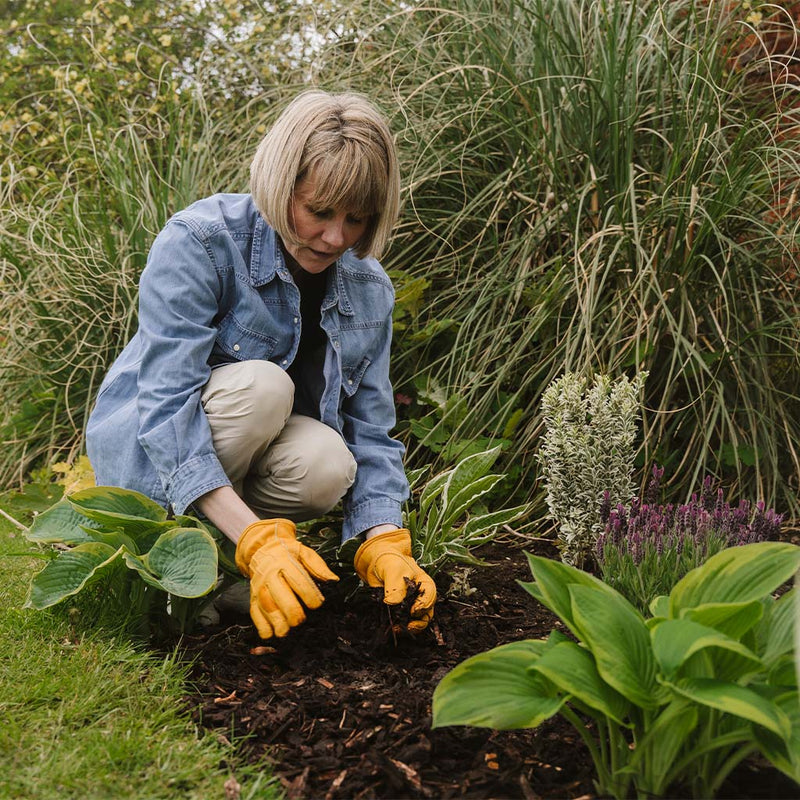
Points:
(67, 574)
(657, 750)
(115, 539)
(781, 623)
(456, 506)
(573, 670)
(620, 643)
(659, 606)
(122, 509)
(732, 619)
(785, 755)
(469, 470)
(113, 500)
(60, 523)
(433, 489)
(553, 581)
(736, 575)
(496, 690)
(494, 519)
(675, 640)
(740, 701)
(183, 562)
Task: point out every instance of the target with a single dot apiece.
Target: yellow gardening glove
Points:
(280, 571)
(385, 560)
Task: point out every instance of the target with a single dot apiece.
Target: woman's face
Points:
(325, 233)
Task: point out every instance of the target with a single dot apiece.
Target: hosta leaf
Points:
(675, 640)
(657, 750)
(736, 575)
(659, 606)
(113, 507)
(552, 582)
(468, 470)
(496, 690)
(573, 670)
(60, 523)
(619, 641)
(740, 701)
(115, 539)
(780, 627)
(70, 572)
(785, 755)
(114, 500)
(183, 562)
(732, 619)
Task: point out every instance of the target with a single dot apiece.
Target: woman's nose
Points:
(334, 233)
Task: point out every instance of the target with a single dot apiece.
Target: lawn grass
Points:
(89, 714)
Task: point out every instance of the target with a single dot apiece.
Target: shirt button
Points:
(350, 381)
(335, 342)
(296, 320)
(284, 362)
(236, 348)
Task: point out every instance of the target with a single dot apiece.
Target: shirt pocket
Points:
(242, 343)
(351, 376)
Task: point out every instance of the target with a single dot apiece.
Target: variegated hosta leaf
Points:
(112, 507)
(183, 562)
(70, 572)
(496, 690)
(60, 523)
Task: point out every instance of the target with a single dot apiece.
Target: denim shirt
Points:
(216, 290)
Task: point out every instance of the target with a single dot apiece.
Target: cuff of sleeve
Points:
(192, 480)
(370, 513)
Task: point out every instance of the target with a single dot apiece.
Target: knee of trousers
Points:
(319, 474)
(255, 397)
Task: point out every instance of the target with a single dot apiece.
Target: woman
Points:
(256, 389)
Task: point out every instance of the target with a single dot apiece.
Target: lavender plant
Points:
(587, 450)
(646, 547)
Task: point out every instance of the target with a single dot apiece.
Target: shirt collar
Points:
(266, 260)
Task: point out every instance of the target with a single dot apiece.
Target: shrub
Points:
(670, 703)
(587, 451)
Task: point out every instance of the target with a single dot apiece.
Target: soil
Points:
(342, 706)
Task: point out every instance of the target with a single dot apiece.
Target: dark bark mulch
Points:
(342, 706)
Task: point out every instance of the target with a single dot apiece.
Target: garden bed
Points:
(342, 707)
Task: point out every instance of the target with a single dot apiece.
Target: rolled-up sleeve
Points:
(179, 295)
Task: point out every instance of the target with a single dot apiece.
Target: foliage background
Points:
(589, 185)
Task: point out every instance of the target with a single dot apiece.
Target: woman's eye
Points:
(354, 220)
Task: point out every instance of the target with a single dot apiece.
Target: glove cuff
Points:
(256, 535)
(399, 541)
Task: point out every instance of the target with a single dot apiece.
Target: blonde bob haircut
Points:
(343, 144)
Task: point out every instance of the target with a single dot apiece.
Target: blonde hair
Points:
(344, 143)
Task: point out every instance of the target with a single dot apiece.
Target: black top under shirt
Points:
(311, 350)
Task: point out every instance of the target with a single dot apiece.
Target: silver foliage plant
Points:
(587, 449)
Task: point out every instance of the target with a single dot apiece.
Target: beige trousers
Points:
(281, 464)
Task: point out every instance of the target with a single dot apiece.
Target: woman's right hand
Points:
(281, 570)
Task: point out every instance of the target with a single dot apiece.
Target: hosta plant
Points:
(668, 702)
(449, 516)
(587, 449)
(125, 542)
